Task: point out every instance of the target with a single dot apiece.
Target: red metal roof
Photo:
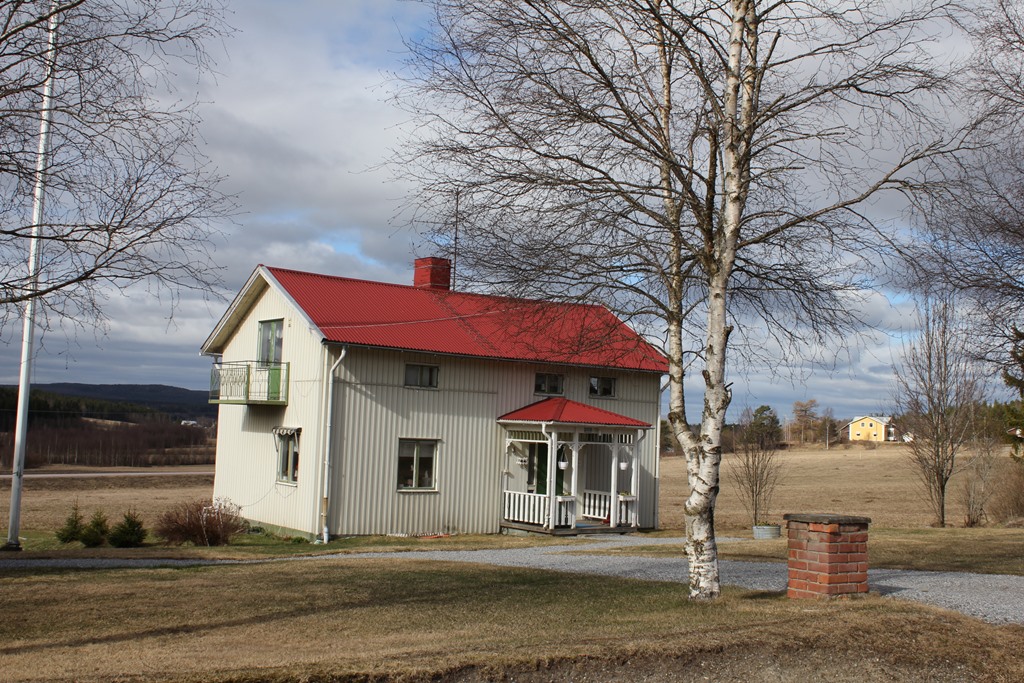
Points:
(361, 312)
(572, 412)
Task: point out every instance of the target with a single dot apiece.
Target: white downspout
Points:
(325, 502)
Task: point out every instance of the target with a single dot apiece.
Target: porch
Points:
(570, 469)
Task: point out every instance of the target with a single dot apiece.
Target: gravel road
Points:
(993, 598)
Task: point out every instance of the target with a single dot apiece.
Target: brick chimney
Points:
(433, 273)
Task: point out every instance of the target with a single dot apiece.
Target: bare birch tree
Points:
(129, 197)
(697, 167)
(938, 390)
(973, 233)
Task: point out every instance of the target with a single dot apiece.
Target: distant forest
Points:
(83, 430)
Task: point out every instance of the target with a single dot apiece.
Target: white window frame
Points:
(426, 376)
(287, 441)
(596, 384)
(542, 388)
(416, 484)
(271, 341)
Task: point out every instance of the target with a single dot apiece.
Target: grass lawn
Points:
(341, 619)
(344, 619)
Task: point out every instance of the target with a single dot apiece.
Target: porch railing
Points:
(528, 508)
(627, 511)
(532, 508)
(597, 504)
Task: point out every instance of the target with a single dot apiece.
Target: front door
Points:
(537, 471)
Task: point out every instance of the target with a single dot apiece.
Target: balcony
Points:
(249, 382)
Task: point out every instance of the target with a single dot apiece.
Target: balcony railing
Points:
(249, 382)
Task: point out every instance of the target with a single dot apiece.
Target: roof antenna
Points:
(455, 248)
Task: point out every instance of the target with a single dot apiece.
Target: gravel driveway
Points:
(994, 598)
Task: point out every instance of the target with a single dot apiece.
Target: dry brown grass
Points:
(853, 481)
(337, 619)
(360, 619)
(45, 503)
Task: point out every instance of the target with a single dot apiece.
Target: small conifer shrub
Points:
(129, 532)
(95, 532)
(73, 526)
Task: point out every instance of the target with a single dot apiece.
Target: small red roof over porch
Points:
(566, 411)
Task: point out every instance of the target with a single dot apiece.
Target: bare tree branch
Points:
(130, 197)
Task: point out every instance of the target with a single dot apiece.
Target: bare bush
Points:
(201, 522)
(1007, 502)
(978, 483)
(756, 470)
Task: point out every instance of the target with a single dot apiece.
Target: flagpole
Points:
(28, 330)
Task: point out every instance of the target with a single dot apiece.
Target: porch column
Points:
(552, 466)
(575, 478)
(613, 516)
(634, 483)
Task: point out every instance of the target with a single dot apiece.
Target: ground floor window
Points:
(416, 464)
(287, 453)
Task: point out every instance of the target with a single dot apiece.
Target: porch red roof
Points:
(385, 315)
(568, 411)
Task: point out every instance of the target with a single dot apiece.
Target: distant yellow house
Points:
(872, 428)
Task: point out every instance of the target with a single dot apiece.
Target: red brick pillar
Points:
(828, 555)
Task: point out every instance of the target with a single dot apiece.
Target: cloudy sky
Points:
(298, 120)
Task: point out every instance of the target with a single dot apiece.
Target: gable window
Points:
(416, 464)
(547, 383)
(602, 387)
(287, 453)
(271, 341)
(421, 376)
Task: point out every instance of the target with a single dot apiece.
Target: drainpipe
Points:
(325, 502)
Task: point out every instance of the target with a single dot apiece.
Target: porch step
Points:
(568, 531)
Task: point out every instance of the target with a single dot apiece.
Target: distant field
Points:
(45, 503)
(855, 481)
(852, 480)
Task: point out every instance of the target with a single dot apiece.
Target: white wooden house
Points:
(350, 407)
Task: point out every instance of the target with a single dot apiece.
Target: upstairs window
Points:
(416, 464)
(547, 383)
(421, 376)
(602, 387)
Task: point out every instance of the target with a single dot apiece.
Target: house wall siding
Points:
(373, 409)
(247, 456)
